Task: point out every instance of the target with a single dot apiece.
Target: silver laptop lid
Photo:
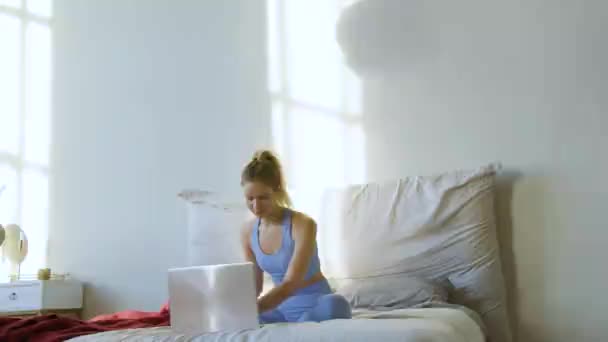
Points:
(213, 298)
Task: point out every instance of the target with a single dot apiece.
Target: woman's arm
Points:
(249, 256)
(304, 232)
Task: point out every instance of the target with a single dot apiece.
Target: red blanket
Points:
(53, 328)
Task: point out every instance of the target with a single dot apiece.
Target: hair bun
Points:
(263, 155)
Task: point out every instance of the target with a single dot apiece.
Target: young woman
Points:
(282, 242)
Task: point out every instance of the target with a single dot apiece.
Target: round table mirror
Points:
(1, 235)
(14, 248)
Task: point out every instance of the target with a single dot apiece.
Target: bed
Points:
(410, 325)
(439, 228)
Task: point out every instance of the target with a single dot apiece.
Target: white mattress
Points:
(407, 325)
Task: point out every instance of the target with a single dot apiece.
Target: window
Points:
(316, 100)
(25, 123)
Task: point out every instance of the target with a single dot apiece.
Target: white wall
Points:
(524, 83)
(149, 97)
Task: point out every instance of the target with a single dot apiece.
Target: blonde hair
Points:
(265, 167)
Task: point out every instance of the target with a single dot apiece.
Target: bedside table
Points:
(31, 298)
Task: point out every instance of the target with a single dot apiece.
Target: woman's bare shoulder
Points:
(302, 221)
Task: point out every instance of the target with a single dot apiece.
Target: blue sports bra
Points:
(276, 264)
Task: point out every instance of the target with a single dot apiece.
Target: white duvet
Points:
(407, 325)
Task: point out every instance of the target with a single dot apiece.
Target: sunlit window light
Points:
(9, 197)
(34, 221)
(313, 61)
(11, 3)
(25, 126)
(43, 8)
(38, 94)
(10, 83)
(316, 99)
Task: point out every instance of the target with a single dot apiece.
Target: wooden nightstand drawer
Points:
(21, 297)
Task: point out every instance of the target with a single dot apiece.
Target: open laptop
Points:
(213, 298)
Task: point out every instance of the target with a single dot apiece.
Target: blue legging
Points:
(305, 308)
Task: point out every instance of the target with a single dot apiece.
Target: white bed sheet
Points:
(407, 325)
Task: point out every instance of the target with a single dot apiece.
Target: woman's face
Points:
(259, 197)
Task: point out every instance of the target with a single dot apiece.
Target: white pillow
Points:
(214, 226)
(390, 292)
(440, 228)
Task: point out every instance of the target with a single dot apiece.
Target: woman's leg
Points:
(272, 316)
(329, 306)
